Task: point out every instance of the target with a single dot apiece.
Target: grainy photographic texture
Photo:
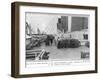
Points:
(53, 39)
(56, 36)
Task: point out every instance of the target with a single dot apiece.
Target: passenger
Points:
(47, 42)
(51, 39)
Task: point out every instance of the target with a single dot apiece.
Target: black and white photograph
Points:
(52, 39)
(56, 36)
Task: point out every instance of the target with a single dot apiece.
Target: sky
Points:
(45, 22)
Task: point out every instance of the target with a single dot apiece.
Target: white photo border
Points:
(54, 69)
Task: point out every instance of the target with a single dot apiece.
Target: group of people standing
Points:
(51, 39)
